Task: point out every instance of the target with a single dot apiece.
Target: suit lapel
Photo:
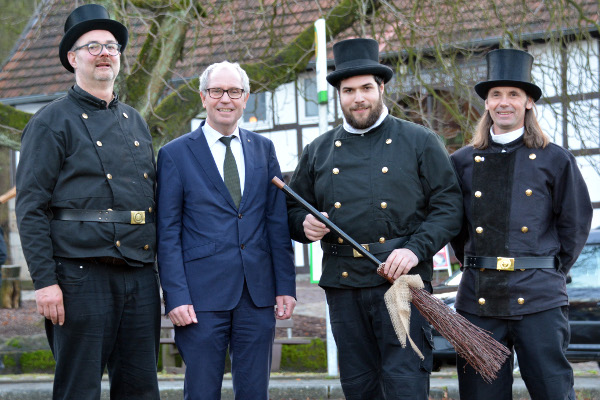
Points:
(199, 147)
(248, 148)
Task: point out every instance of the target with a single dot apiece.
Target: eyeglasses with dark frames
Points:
(217, 93)
(95, 48)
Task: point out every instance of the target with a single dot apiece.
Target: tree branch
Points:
(174, 113)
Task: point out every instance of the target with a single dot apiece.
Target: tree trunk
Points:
(10, 287)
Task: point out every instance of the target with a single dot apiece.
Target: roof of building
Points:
(248, 30)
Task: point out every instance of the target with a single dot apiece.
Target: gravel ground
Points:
(309, 316)
(22, 321)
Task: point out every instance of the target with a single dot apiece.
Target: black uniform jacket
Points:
(395, 181)
(78, 154)
(519, 202)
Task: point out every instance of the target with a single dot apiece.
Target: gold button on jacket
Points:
(481, 301)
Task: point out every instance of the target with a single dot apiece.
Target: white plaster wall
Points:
(284, 104)
(286, 148)
(546, 68)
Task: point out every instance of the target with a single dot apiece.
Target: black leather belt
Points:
(510, 263)
(343, 250)
(119, 217)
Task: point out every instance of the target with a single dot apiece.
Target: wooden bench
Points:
(170, 351)
(279, 342)
(167, 337)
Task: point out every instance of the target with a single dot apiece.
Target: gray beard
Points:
(373, 116)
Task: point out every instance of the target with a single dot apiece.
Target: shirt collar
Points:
(506, 137)
(379, 121)
(213, 136)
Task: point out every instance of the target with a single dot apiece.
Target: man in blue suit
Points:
(224, 251)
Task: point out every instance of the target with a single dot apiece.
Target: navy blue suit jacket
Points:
(207, 247)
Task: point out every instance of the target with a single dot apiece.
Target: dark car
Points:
(583, 287)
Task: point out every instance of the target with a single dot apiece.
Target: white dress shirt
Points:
(217, 148)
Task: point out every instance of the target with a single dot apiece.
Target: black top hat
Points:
(87, 18)
(354, 57)
(509, 67)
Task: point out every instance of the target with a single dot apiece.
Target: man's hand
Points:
(400, 262)
(50, 304)
(183, 315)
(313, 229)
(285, 307)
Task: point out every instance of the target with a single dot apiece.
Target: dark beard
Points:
(374, 115)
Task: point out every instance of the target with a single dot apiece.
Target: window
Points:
(256, 108)
(311, 105)
(586, 271)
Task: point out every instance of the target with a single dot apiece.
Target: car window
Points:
(586, 271)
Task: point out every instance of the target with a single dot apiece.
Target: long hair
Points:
(533, 136)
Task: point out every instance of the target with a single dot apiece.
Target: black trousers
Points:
(373, 364)
(540, 341)
(112, 320)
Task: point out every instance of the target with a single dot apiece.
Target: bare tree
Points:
(437, 48)
(158, 81)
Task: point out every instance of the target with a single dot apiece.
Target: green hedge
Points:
(37, 361)
(304, 357)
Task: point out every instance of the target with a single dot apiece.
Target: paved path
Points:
(283, 387)
(311, 298)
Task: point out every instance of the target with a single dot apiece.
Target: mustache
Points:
(106, 61)
(359, 108)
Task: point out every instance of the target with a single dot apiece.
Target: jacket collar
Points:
(86, 99)
(507, 147)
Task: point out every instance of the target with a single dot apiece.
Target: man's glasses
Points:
(217, 93)
(95, 49)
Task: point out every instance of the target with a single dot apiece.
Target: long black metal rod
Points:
(314, 212)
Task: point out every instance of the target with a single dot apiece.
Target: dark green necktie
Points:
(230, 172)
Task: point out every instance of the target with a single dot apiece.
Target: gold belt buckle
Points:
(505, 264)
(138, 217)
(357, 254)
